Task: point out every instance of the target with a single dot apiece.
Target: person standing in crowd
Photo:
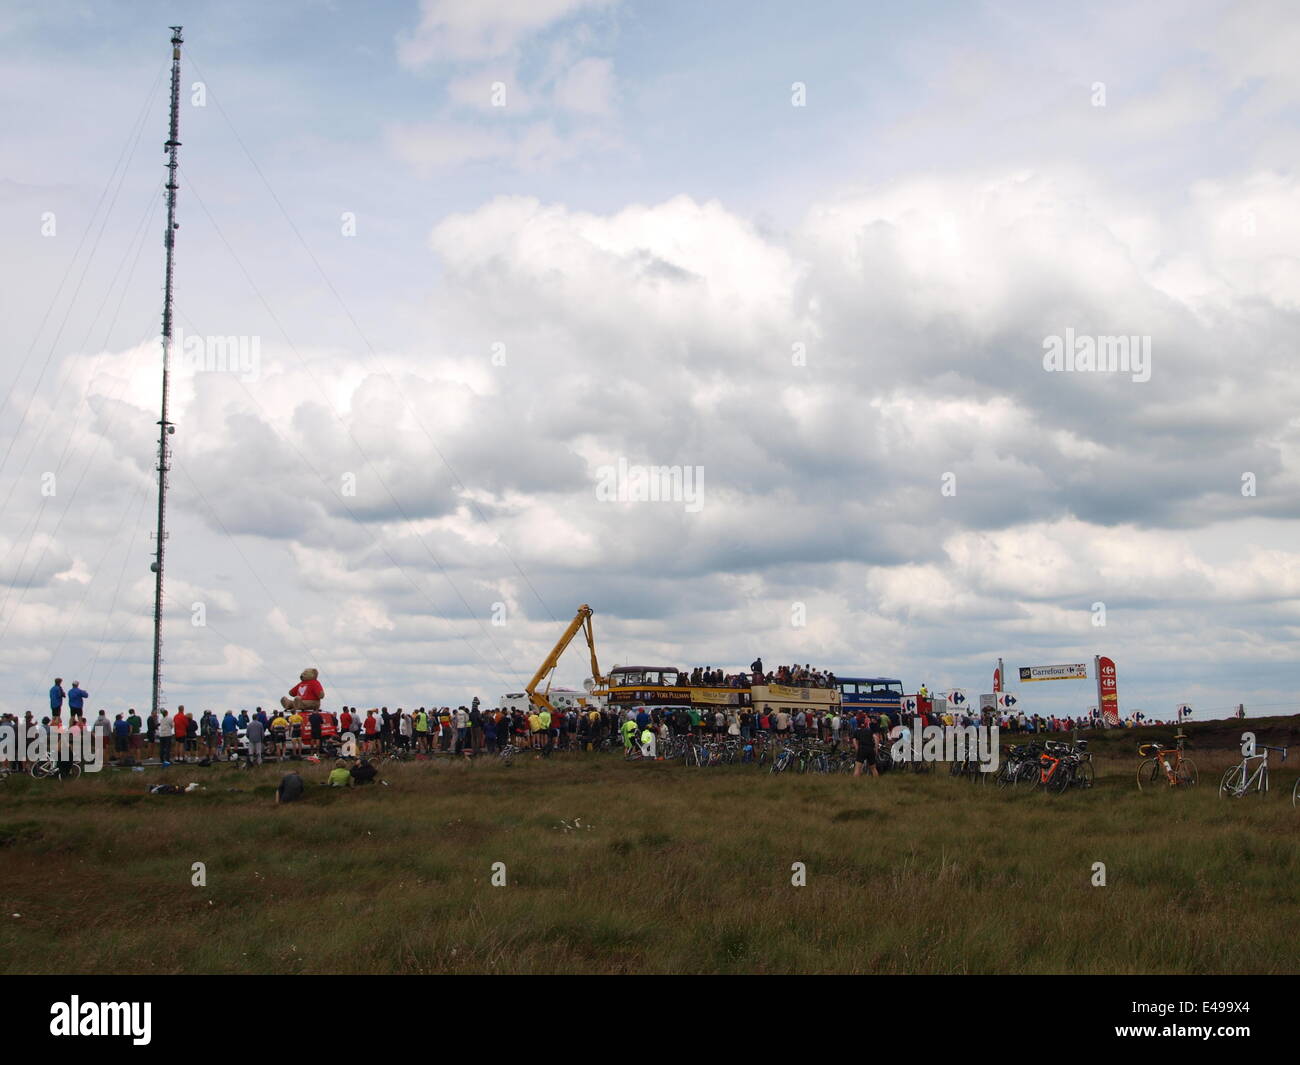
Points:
(255, 736)
(181, 727)
(103, 730)
(229, 734)
(864, 749)
(279, 734)
(133, 720)
(121, 736)
(56, 698)
(77, 697)
(295, 732)
(166, 729)
(462, 729)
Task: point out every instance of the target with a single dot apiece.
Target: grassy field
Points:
(619, 868)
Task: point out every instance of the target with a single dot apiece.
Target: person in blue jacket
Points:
(229, 733)
(77, 697)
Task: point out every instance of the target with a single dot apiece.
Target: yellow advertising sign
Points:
(714, 697)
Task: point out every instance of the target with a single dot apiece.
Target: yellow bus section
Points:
(769, 698)
(668, 686)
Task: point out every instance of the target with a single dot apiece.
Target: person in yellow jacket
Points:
(648, 743)
(628, 729)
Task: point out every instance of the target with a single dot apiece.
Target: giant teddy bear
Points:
(306, 694)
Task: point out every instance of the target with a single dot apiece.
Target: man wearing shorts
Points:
(279, 732)
(864, 750)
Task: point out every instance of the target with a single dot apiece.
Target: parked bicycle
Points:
(1065, 765)
(1166, 765)
(48, 767)
(1020, 766)
(1250, 774)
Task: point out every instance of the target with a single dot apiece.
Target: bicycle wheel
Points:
(1083, 775)
(1295, 794)
(1148, 773)
(1060, 779)
(73, 771)
(1186, 774)
(1234, 779)
(41, 770)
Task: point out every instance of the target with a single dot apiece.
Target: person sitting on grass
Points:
(290, 789)
(339, 775)
(363, 772)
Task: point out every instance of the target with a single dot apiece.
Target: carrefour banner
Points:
(1072, 671)
(1108, 691)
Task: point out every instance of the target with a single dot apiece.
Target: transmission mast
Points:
(165, 427)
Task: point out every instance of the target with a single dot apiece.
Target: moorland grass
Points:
(645, 867)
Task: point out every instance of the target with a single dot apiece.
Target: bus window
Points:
(669, 678)
(630, 680)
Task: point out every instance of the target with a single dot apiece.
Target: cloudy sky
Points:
(480, 254)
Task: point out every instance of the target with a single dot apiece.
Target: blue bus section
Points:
(869, 693)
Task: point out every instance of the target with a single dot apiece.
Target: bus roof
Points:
(645, 669)
(867, 680)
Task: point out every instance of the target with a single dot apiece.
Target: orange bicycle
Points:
(1166, 765)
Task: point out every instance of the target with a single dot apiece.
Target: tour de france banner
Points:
(1072, 671)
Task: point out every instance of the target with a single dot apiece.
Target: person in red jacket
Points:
(305, 696)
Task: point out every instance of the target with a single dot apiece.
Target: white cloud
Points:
(452, 30)
(587, 87)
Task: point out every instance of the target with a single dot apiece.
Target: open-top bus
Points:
(659, 686)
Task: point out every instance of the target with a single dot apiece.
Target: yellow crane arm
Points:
(581, 620)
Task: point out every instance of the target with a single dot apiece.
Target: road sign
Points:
(1006, 701)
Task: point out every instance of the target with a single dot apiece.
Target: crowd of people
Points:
(299, 728)
(796, 676)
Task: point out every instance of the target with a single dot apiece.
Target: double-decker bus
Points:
(667, 686)
(871, 694)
